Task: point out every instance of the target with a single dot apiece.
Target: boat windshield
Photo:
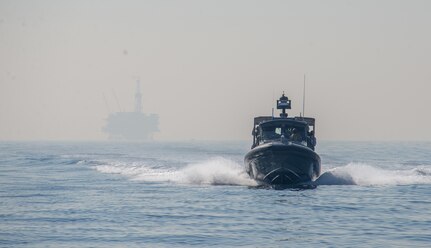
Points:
(285, 132)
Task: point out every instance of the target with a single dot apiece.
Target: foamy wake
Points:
(216, 171)
(367, 175)
(221, 171)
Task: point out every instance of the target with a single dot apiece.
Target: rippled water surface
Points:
(197, 194)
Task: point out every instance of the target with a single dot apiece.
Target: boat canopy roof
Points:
(294, 121)
(284, 123)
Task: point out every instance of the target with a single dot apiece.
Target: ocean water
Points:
(197, 194)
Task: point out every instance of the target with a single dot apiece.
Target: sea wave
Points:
(368, 175)
(215, 171)
(222, 171)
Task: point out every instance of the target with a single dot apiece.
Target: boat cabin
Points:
(298, 130)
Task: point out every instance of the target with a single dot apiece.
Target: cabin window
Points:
(271, 133)
(296, 135)
(290, 133)
(278, 131)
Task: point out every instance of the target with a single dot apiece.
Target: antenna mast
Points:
(303, 99)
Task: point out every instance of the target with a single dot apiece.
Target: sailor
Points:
(296, 136)
(311, 139)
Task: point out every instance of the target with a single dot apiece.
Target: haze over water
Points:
(64, 65)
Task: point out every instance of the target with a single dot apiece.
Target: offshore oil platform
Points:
(132, 126)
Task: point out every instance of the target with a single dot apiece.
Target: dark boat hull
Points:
(282, 164)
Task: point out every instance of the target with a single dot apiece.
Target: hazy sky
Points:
(208, 67)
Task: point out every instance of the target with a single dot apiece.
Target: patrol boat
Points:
(283, 153)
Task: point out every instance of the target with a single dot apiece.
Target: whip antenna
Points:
(303, 99)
